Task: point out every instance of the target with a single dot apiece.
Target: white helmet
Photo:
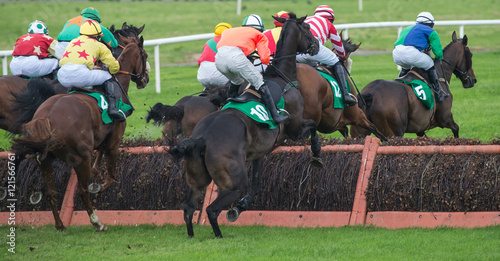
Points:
(425, 18)
(254, 21)
(38, 27)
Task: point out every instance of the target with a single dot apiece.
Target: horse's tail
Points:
(188, 148)
(160, 114)
(35, 138)
(27, 102)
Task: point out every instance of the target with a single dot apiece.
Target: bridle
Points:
(461, 74)
(137, 78)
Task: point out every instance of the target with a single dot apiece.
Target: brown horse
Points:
(319, 100)
(395, 109)
(9, 84)
(70, 127)
(224, 140)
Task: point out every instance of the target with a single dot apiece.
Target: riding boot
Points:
(113, 112)
(268, 101)
(233, 90)
(339, 73)
(434, 80)
(403, 72)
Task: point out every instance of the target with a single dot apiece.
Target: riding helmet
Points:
(38, 27)
(282, 14)
(254, 21)
(425, 18)
(220, 27)
(91, 13)
(91, 28)
(325, 12)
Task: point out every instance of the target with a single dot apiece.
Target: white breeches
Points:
(408, 56)
(79, 75)
(60, 49)
(232, 62)
(32, 66)
(324, 56)
(210, 77)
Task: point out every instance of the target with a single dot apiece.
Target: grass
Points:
(147, 242)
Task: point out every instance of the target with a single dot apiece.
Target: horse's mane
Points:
(349, 46)
(126, 31)
(279, 47)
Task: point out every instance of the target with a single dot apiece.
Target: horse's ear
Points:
(301, 20)
(124, 39)
(279, 19)
(112, 28)
(464, 40)
(124, 26)
(141, 41)
(139, 31)
(454, 36)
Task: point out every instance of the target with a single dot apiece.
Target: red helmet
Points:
(325, 12)
(282, 14)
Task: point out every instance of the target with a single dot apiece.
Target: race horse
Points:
(70, 127)
(395, 109)
(225, 140)
(180, 119)
(9, 85)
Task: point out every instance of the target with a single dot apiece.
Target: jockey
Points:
(231, 60)
(208, 75)
(323, 29)
(71, 30)
(409, 50)
(77, 66)
(34, 52)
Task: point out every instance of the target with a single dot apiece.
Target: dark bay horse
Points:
(9, 85)
(224, 140)
(395, 109)
(69, 127)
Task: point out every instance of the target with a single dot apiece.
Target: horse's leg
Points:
(225, 199)
(95, 188)
(344, 131)
(51, 191)
(189, 207)
(83, 174)
(111, 153)
(242, 205)
(316, 160)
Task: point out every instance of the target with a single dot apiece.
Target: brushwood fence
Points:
(361, 184)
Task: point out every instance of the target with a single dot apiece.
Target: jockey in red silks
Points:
(323, 30)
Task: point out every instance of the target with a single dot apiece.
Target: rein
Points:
(136, 77)
(457, 71)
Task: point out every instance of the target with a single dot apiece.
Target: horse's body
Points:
(224, 140)
(9, 84)
(395, 109)
(70, 127)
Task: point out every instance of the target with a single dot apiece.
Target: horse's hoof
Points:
(3, 193)
(94, 188)
(316, 162)
(36, 197)
(232, 214)
(101, 228)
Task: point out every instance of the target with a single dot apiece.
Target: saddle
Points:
(251, 94)
(414, 75)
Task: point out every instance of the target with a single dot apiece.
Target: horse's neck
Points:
(449, 64)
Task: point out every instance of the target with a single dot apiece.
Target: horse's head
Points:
(458, 55)
(133, 60)
(306, 41)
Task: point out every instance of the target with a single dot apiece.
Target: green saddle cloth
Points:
(338, 102)
(103, 104)
(422, 91)
(256, 111)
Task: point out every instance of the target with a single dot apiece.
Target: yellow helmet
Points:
(90, 28)
(220, 27)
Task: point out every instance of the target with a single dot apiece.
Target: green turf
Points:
(147, 242)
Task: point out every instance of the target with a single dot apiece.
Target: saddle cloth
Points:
(420, 88)
(103, 105)
(338, 102)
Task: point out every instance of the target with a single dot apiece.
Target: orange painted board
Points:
(399, 219)
(133, 217)
(288, 218)
(32, 218)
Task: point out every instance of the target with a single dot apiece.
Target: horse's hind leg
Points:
(83, 174)
(310, 125)
(51, 191)
(225, 199)
(242, 205)
(189, 207)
